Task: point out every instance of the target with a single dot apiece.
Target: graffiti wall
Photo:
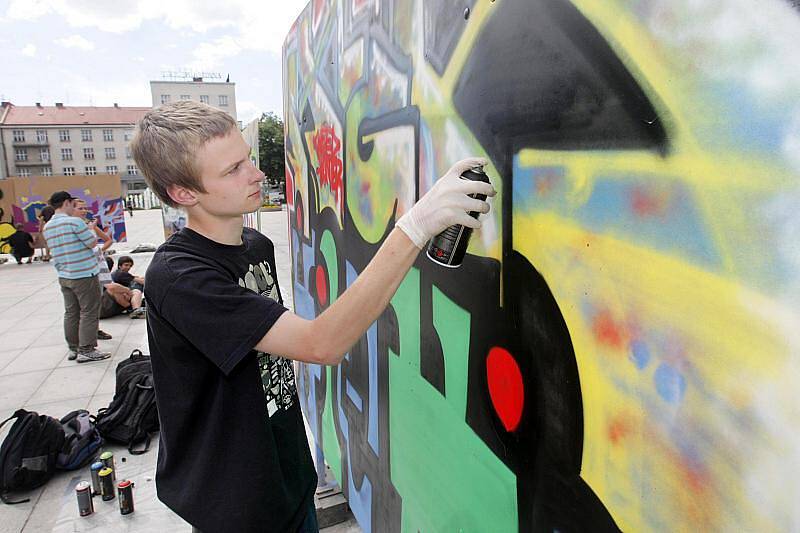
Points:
(620, 348)
(24, 198)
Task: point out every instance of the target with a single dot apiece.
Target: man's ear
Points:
(182, 195)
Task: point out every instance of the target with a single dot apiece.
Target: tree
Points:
(270, 149)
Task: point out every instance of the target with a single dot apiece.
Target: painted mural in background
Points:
(621, 348)
(24, 198)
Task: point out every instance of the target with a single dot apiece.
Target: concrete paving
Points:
(36, 374)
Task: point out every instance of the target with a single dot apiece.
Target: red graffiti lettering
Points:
(327, 146)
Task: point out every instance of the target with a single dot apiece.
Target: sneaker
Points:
(72, 355)
(94, 355)
(103, 336)
(139, 312)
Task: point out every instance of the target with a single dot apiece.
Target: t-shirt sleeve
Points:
(83, 233)
(221, 319)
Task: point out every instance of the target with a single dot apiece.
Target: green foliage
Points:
(270, 149)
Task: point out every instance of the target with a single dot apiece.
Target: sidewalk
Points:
(35, 374)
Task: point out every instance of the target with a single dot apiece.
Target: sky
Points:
(90, 52)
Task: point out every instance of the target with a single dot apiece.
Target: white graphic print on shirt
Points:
(277, 375)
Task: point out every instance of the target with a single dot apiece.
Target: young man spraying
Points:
(233, 453)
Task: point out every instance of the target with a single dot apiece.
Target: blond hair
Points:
(166, 142)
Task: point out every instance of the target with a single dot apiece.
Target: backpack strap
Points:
(4, 495)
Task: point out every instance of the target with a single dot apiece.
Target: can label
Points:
(450, 246)
(95, 469)
(125, 490)
(107, 484)
(84, 494)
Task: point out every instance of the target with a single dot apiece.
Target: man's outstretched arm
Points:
(328, 337)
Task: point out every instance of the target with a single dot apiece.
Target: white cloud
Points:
(209, 56)
(27, 9)
(253, 26)
(29, 50)
(75, 41)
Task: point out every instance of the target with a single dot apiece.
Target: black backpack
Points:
(81, 440)
(132, 414)
(29, 451)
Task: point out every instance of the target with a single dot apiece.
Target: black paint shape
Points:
(431, 363)
(541, 76)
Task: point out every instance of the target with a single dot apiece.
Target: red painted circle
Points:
(505, 387)
(322, 286)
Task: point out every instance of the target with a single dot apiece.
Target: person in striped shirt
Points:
(71, 242)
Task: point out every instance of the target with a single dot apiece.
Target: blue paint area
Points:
(670, 384)
(640, 354)
(354, 397)
(372, 423)
(538, 188)
(360, 500)
(679, 229)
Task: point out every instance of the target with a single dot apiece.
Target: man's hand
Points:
(446, 204)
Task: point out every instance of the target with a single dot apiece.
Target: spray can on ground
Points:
(107, 458)
(449, 247)
(84, 492)
(106, 484)
(125, 491)
(95, 469)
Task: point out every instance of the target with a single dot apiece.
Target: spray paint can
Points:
(125, 491)
(106, 484)
(95, 469)
(84, 492)
(107, 459)
(449, 247)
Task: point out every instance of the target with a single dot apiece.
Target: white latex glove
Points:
(446, 204)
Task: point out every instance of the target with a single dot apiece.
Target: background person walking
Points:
(72, 244)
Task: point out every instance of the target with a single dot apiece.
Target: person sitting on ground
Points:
(118, 299)
(21, 244)
(123, 276)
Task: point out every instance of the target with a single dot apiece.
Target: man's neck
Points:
(223, 231)
(61, 211)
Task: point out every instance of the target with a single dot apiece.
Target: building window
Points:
(108, 135)
(132, 170)
(223, 100)
(128, 152)
(90, 171)
(20, 154)
(112, 169)
(19, 136)
(47, 171)
(86, 135)
(69, 171)
(128, 135)
(44, 154)
(186, 97)
(111, 153)
(63, 136)
(66, 154)
(41, 136)
(203, 98)
(24, 173)
(88, 153)
(165, 98)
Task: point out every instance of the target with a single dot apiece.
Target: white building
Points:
(221, 95)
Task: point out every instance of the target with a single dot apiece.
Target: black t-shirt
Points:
(21, 243)
(123, 278)
(233, 453)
